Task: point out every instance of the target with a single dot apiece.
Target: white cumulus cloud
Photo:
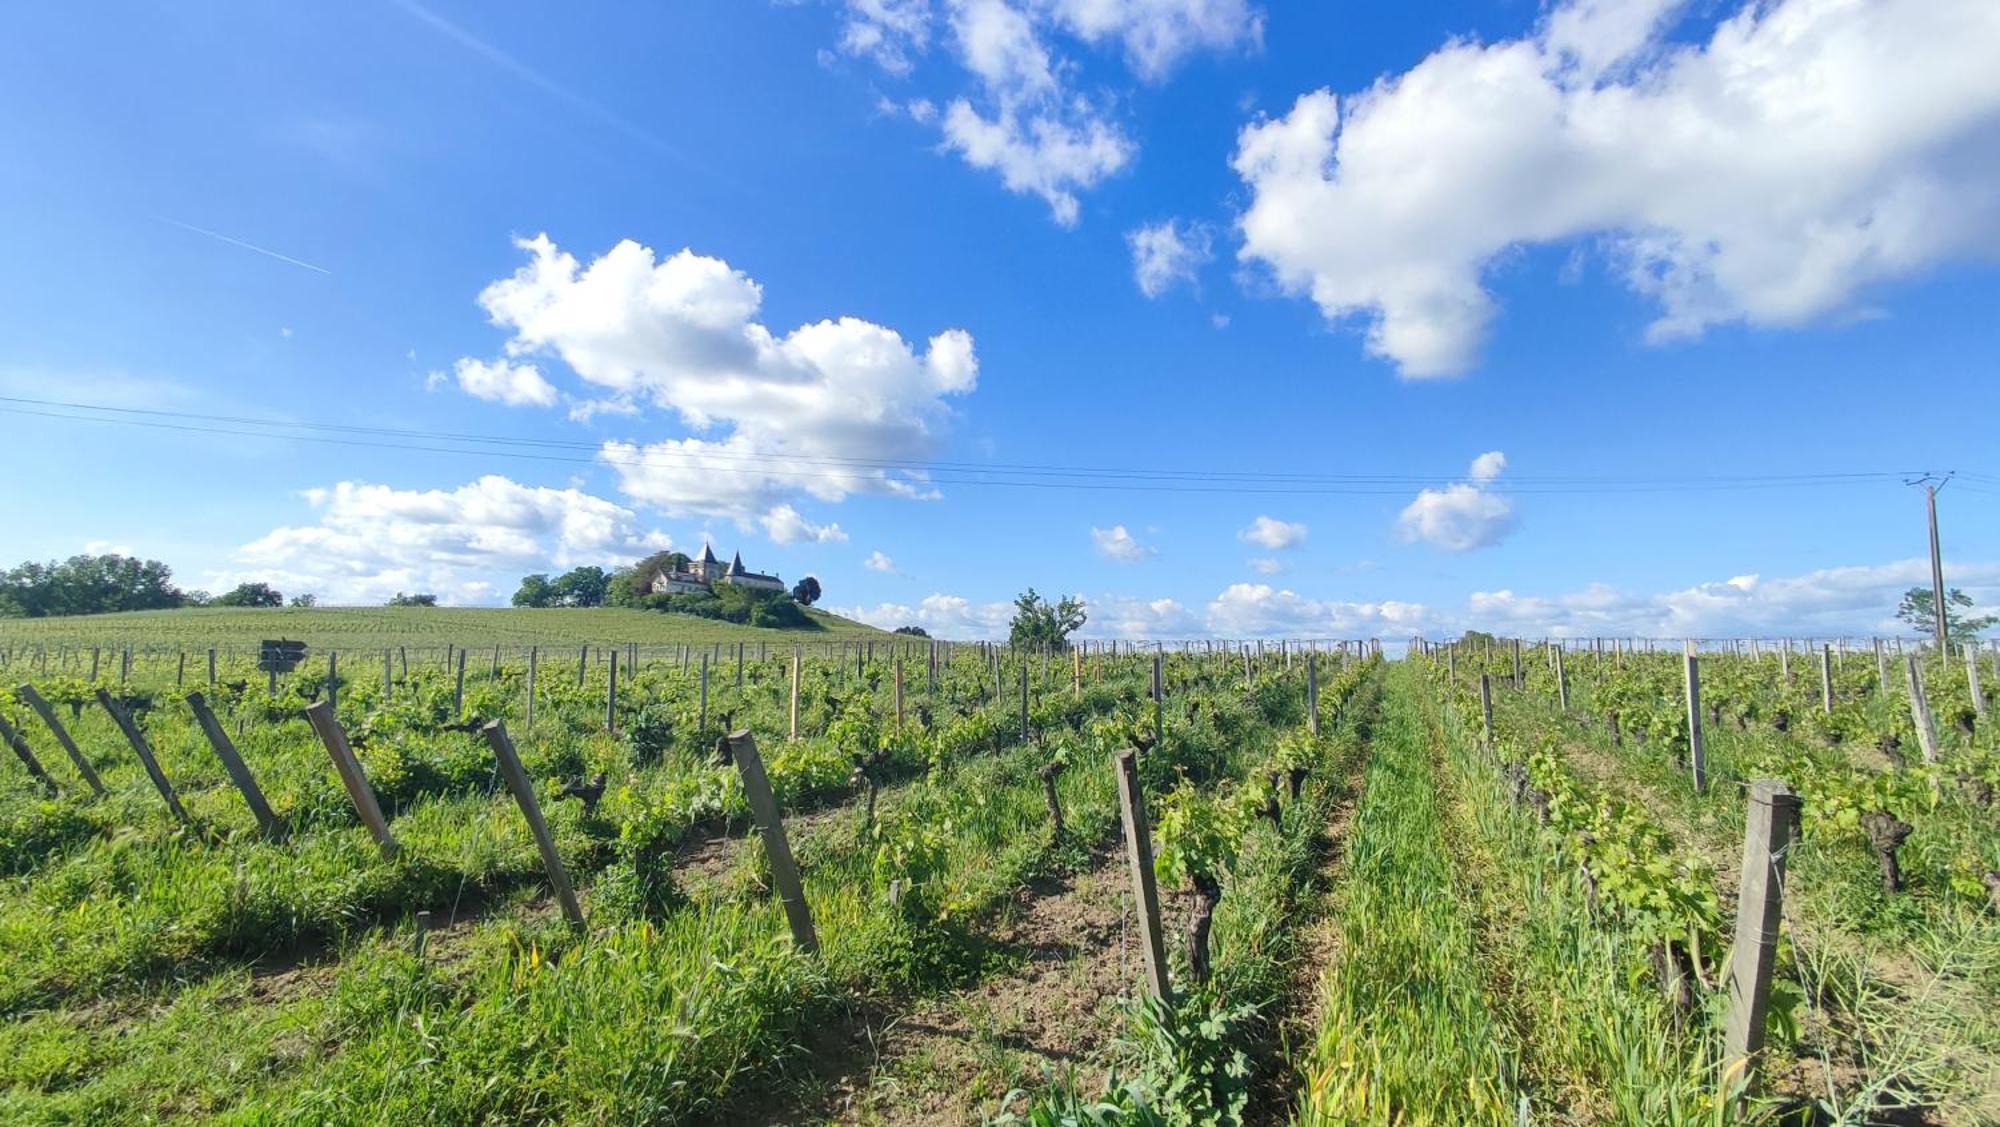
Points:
(1117, 543)
(814, 412)
(1806, 150)
(1167, 254)
(466, 545)
(1273, 534)
(877, 561)
(516, 385)
(1464, 515)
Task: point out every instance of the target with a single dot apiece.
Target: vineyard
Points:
(906, 882)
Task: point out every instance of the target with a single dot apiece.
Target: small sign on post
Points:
(280, 656)
(524, 794)
(784, 872)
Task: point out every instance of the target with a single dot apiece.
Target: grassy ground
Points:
(374, 628)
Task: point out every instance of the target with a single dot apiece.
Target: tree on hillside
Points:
(250, 595)
(87, 585)
(534, 591)
(401, 600)
(913, 631)
(306, 600)
(806, 591)
(580, 587)
(1038, 622)
(1960, 624)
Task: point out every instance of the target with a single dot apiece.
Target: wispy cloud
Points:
(235, 242)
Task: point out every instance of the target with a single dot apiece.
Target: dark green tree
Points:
(806, 591)
(580, 587)
(913, 631)
(420, 600)
(250, 595)
(87, 585)
(1039, 622)
(534, 591)
(307, 600)
(1960, 624)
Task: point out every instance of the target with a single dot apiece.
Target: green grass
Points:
(373, 628)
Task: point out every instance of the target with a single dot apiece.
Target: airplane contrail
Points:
(246, 246)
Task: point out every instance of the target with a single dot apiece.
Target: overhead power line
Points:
(785, 464)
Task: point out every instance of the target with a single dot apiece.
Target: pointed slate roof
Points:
(707, 553)
(736, 565)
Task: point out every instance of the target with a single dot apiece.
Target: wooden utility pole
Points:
(1937, 568)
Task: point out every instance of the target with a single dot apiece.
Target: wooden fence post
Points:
(1826, 677)
(458, 689)
(26, 754)
(233, 763)
(1159, 701)
(1312, 691)
(795, 692)
(321, 717)
(1486, 708)
(899, 690)
(333, 678)
(1145, 894)
(784, 873)
(388, 678)
(1562, 681)
(611, 693)
(211, 667)
(181, 670)
(1517, 663)
(1972, 680)
(1767, 833)
(1920, 709)
(701, 725)
(1697, 759)
(528, 718)
(41, 708)
(138, 741)
(524, 794)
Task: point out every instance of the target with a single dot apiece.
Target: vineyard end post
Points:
(1767, 833)
(764, 806)
(524, 794)
(1145, 893)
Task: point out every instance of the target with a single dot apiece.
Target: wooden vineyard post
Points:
(528, 716)
(1972, 681)
(1881, 669)
(211, 667)
(1159, 702)
(1920, 709)
(138, 741)
(1826, 678)
(795, 693)
(333, 678)
(1024, 697)
(1246, 667)
(25, 754)
(611, 692)
(1517, 664)
(93, 664)
(582, 663)
(1451, 661)
(784, 873)
(1139, 851)
(321, 717)
(701, 725)
(41, 708)
(233, 763)
(524, 794)
(388, 676)
(1312, 691)
(1785, 663)
(899, 690)
(1767, 833)
(124, 664)
(181, 670)
(458, 689)
(1562, 681)
(1697, 760)
(1486, 708)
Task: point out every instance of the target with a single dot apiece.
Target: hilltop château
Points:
(703, 574)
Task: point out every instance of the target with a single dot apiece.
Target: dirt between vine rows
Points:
(955, 1057)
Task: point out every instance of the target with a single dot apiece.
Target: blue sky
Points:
(1490, 311)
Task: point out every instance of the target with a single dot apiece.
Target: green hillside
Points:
(373, 628)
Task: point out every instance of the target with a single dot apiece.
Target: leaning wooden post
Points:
(181, 670)
(795, 692)
(1920, 709)
(26, 754)
(321, 717)
(1562, 681)
(1697, 760)
(1486, 708)
(41, 708)
(1139, 851)
(1767, 834)
(233, 763)
(524, 794)
(784, 873)
(138, 741)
